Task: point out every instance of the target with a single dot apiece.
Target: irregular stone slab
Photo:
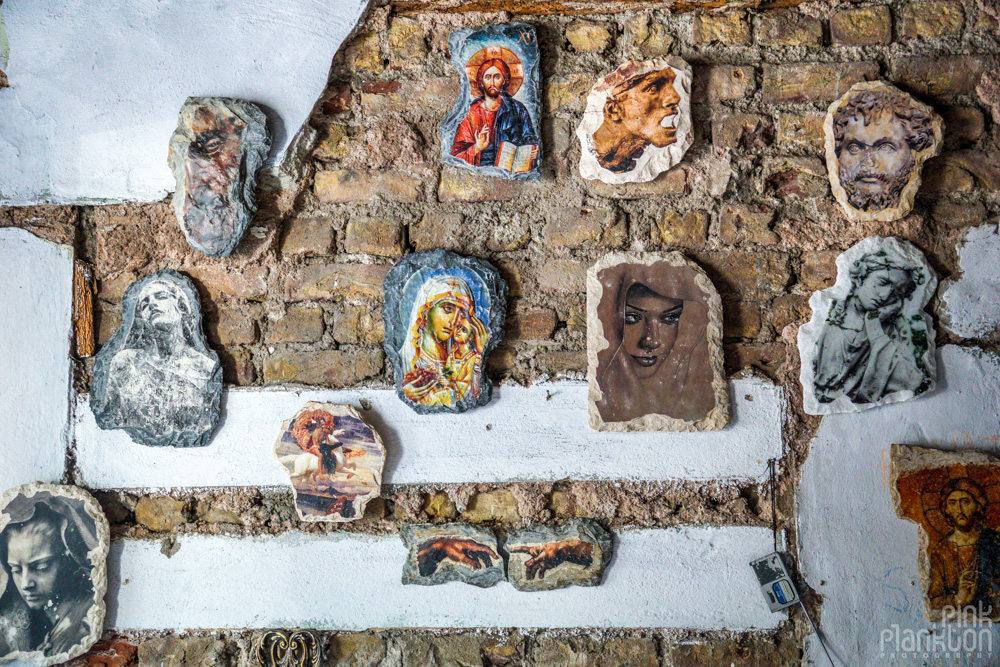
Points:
(494, 128)
(654, 345)
(638, 122)
(54, 613)
(443, 315)
(215, 152)
(877, 140)
(287, 648)
(156, 377)
(543, 558)
(869, 341)
(451, 552)
(333, 459)
(955, 499)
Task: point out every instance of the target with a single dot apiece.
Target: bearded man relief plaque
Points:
(443, 315)
(877, 140)
(215, 152)
(156, 377)
(638, 122)
(654, 345)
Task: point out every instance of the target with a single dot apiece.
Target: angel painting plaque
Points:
(334, 461)
(493, 128)
(444, 314)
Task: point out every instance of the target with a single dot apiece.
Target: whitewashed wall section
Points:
(970, 306)
(94, 93)
(526, 433)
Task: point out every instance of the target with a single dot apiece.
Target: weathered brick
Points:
(743, 275)
(938, 75)
(501, 361)
(245, 283)
(959, 212)
(532, 323)
(436, 95)
(440, 506)
(649, 35)
(673, 182)
(439, 230)
(358, 324)
(983, 22)
(301, 324)
(55, 223)
(336, 281)
(336, 99)
(562, 275)
(333, 144)
(348, 185)
(789, 308)
(374, 236)
(983, 165)
(720, 83)
(629, 652)
(160, 513)
(357, 649)
(741, 130)
(573, 226)
(819, 270)
(365, 53)
(687, 230)
(327, 368)
(788, 27)
(459, 185)
(766, 358)
(584, 35)
(931, 19)
(307, 236)
(726, 29)
(112, 290)
(407, 44)
(943, 176)
(229, 326)
(862, 26)
(498, 506)
(962, 125)
(812, 82)
(237, 366)
(740, 319)
(567, 93)
(511, 272)
(801, 130)
(106, 324)
(746, 223)
(174, 651)
(803, 177)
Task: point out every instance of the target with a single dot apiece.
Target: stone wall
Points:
(299, 301)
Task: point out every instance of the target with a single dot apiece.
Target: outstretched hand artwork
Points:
(451, 552)
(334, 461)
(545, 558)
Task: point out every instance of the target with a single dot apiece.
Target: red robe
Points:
(464, 146)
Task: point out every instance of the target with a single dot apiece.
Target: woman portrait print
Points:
(655, 320)
(47, 593)
(443, 349)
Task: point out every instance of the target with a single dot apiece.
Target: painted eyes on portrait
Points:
(885, 146)
(38, 567)
(448, 308)
(668, 317)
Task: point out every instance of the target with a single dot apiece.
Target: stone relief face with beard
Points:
(880, 139)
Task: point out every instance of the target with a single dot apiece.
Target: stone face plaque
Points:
(955, 499)
(877, 140)
(543, 558)
(333, 459)
(637, 124)
(654, 345)
(494, 127)
(869, 341)
(53, 573)
(215, 152)
(156, 377)
(451, 552)
(443, 315)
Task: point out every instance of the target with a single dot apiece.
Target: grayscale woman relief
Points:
(53, 573)
(156, 377)
(869, 341)
(654, 327)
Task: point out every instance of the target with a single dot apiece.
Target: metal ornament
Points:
(287, 648)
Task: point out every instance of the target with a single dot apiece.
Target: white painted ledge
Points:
(695, 578)
(526, 433)
(36, 301)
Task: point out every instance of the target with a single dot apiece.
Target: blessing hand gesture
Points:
(544, 557)
(461, 550)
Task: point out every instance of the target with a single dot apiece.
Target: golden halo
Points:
(506, 55)
(930, 495)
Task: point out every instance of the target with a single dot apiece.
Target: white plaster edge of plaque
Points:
(596, 342)
(692, 578)
(910, 190)
(98, 558)
(970, 305)
(541, 429)
(653, 161)
(36, 305)
(821, 302)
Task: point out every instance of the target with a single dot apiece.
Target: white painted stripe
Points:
(695, 578)
(526, 433)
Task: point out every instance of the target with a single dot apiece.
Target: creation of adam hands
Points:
(462, 550)
(544, 557)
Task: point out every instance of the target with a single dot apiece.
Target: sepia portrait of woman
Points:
(655, 320)
(47, 594)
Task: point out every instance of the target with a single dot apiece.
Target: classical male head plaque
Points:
(493, 129)
(869, 341)
(54, 544)
(439, 553)
(877, 139)
(156, 377)
(638, 122)
(955, 499)
(333, 459)
(654, 345)
(443, 315)
(215, 152)
(544, 558)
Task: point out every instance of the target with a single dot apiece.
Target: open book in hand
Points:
(515, 159)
